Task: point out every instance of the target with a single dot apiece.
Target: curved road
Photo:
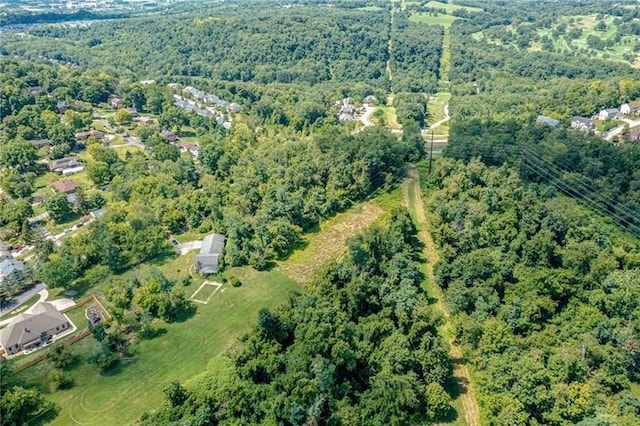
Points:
(20, 299)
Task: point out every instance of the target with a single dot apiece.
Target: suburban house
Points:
(96, 213)
(116, 101)
(83, 136)
(62, 107)
(369, 100)
(64, 163)
(208, 260)
(10, 267)
(547, 121)
(169, 135)
(143, 120)
(632, 108)
(133, 112)
(40, 142)
(633, 135)
(72, 170)
(347, 111)
(233, 107)
(582, 123)
(33, 330)
(192, 149)
(609, 114)
(64, 186)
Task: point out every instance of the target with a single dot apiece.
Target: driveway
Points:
(20, 299)
(185, 248)
(368, 110)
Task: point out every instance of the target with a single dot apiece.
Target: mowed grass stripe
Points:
(121, 396)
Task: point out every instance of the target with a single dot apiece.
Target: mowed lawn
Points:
(183, 350)
(120, 397)
(429, 19)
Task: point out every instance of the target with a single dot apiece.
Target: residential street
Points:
(618, 130)
(6, 308)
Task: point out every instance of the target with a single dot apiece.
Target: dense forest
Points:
(359, 347)
(541, 290)
(534, 223)
(543, 298)
(274, 44)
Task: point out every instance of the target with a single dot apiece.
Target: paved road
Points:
(618, 130)
(130, 141)
(20, 299)
(368, 110)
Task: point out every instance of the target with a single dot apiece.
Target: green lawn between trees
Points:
(183, 349)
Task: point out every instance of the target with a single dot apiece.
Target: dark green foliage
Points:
(532, 282)
(19, 405)
(415, 56)
(61, 356)
(285, 45)
(360, 348)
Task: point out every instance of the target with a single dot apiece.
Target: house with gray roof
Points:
(32, 330)
(10, 267)
(583, 124)
(64, 163)
(547, 121)
(208, 260)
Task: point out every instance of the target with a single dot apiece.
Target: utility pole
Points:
(431, 153)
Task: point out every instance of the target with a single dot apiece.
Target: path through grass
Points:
(412, 194)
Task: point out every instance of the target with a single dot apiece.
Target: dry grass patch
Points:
(330, 241)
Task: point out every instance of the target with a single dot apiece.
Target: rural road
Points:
(130, 141)
(618, 130)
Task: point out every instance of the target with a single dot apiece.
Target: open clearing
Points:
(429, 19)
(181, 352)
(329, 241)
(452, 7)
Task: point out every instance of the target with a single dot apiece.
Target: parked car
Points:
(174, 242)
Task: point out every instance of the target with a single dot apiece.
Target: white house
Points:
(583, 124)
(632, 108)
(608, 114)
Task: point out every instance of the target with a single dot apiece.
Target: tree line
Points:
(360, 346)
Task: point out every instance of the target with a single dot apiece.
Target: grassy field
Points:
(444, 19)
(431, 19)
(587, 24)
(452, 7)
(329, 241)
(183, 351)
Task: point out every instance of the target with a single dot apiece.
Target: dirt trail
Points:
(460, 372)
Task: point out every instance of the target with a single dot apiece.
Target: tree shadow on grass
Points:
(185, 313)
(164, 256)
(44, 418)
(118, 366)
